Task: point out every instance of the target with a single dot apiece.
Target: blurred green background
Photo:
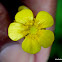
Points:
(56, 51)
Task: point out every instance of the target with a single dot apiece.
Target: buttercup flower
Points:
(33, 29)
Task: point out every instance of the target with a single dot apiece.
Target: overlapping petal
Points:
(22, 7)
(46, 38)
(24, 16)
(17, 31)
(44, 20)
(30, 44)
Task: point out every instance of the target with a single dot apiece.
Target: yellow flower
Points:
(33, 29)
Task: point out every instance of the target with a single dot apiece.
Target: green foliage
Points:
(57, 45)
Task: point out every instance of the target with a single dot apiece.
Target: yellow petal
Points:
(46, 38)
(31, 45)
(24, 16)
(22, 7)
(44, 20)
(16, 31)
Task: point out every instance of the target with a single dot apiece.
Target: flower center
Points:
(33, 30)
